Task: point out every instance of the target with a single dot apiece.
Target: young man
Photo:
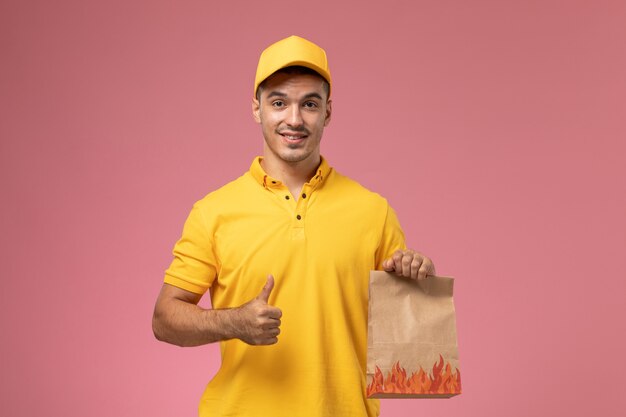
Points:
(285, 251)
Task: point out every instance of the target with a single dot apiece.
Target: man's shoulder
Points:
(354, 190)
(233, 192)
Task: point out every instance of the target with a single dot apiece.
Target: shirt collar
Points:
(257, 172)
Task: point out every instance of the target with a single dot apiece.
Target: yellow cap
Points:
(290, 51)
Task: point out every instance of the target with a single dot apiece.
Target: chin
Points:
(293, 158)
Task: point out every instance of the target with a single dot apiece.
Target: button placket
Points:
(286, 198)
(301, 206)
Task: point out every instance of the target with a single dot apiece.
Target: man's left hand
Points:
(410, 264)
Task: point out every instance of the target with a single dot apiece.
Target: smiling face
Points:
(293, 110)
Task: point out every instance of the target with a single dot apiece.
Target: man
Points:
(285, 251)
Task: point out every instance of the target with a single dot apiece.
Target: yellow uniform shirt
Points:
(320, 250)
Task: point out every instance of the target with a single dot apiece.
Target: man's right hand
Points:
(179, 320)
(260, 322)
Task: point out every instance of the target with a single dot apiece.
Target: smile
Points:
(293, 138)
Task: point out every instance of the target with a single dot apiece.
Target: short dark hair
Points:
(295, 70)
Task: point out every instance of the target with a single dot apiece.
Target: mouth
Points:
(293, 137)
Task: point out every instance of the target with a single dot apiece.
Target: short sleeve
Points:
(194, 266)
(392, 238)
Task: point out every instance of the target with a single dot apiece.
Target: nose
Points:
(294, 119)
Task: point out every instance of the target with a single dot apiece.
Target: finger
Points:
(270, 324)
(274, 313)
(397, 261)
(264, 341)
(267, 339)
(426, 269)
(407, 259)
(388, 265)
(267, 289)
(431, 267)
(415, 266)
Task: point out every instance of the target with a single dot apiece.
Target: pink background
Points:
(495, 128)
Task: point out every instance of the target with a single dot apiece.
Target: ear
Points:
(256, 110)
(329, 110)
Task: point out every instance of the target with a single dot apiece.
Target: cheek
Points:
(270, 120)
(266, 123)
(320, 124)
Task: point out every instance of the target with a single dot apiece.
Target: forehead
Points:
(293, 84)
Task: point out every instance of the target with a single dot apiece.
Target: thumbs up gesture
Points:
(259, 321)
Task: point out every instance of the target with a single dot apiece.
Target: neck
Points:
(293, 174)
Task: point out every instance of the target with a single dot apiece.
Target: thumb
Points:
(267, 289)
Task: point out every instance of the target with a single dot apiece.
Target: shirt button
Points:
(303, 195)
(298, 217)
(273, 182)
(286, 197)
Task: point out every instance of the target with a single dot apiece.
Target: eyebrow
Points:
(276, 94)
(281, 94)
(313, 95)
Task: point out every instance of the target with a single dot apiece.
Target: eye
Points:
(278, 103)
(310, 104)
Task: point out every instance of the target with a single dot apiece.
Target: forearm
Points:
(185, 324)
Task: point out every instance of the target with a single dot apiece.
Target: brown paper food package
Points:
(411, 341)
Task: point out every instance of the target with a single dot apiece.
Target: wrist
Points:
(228, 323)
